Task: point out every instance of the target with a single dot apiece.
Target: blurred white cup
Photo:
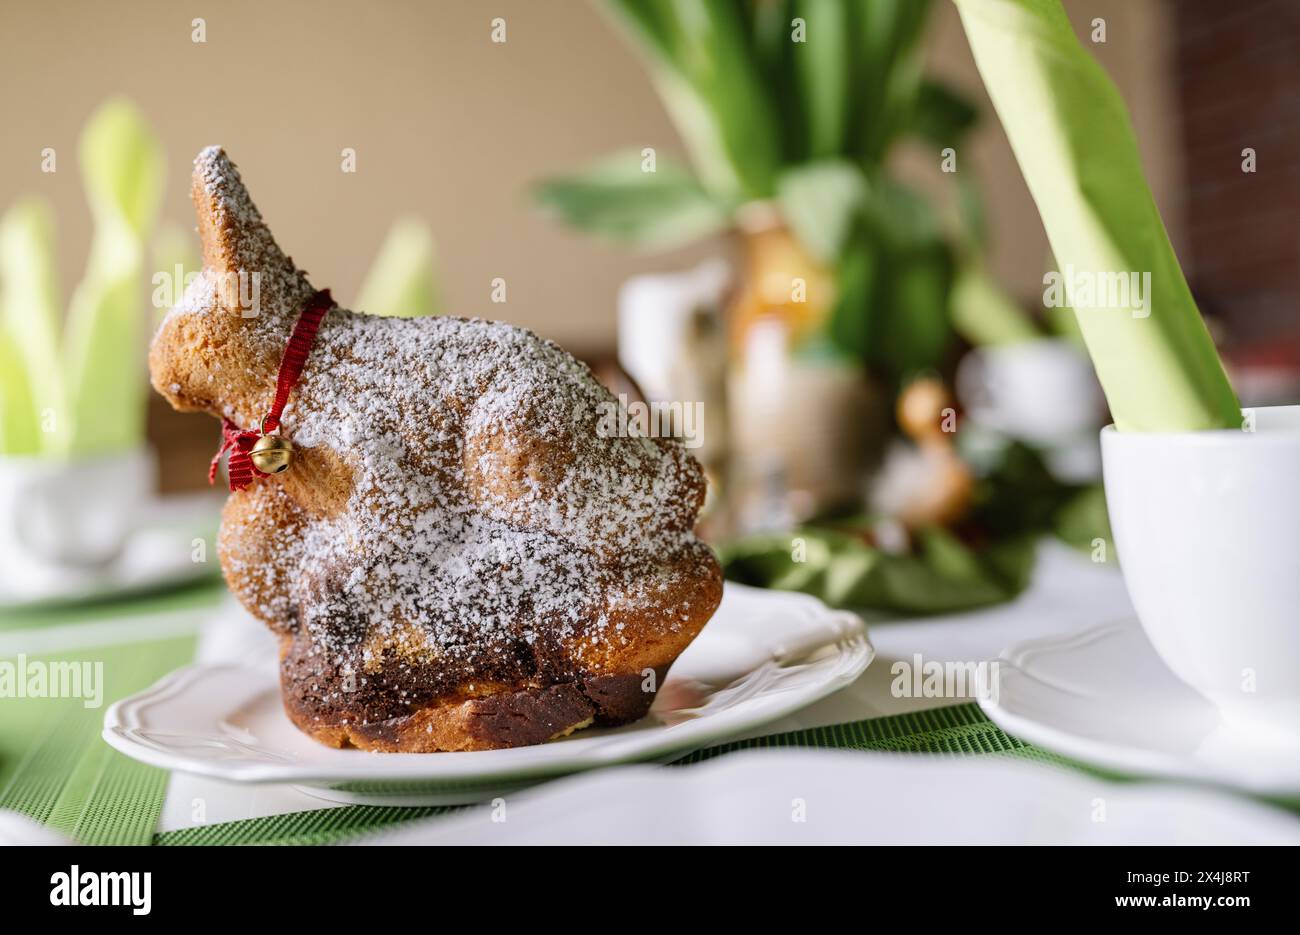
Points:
(1040, 391)
(70, 514)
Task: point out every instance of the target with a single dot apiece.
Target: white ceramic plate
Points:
(1104, 697)
(764, 655)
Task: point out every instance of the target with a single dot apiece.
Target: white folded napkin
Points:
(18, 829)
(842, 797)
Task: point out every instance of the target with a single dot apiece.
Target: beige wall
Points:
(448, 127)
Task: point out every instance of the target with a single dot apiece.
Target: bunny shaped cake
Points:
(462, 556)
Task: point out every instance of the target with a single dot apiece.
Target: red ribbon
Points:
(239, 442)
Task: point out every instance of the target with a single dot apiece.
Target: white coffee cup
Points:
(1207, 525)
(1041, 391)
(73, 514)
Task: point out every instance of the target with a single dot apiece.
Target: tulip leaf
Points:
(402, 282)
(123, 171)
(821, 202)
(1073, 138)
(619, 200)
(30, 313)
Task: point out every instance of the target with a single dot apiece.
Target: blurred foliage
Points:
(1082, 520)
(987, 559)
(403, 279)
(800, 102)
(75, 387)
(616, 199)
(940, 575)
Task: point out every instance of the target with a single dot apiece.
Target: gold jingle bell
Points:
(271, 454)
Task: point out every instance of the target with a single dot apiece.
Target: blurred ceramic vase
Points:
(805, 425)
(800, 431)
(68, 515)
(672, 343)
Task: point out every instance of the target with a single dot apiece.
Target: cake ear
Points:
(237, 316)
(235, 238)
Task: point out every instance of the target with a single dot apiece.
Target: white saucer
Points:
(764, 655)
(1103, 696)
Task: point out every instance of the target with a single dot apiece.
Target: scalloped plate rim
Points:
(852, 653)
(1038, 727)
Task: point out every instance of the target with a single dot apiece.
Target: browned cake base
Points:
(505, 718)
(385, 697)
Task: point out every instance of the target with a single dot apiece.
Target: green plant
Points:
(798, 103)
(76, 388)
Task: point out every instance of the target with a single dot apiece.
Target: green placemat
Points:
(53, 765)
(322, 826)
(201, 595)
(961, 730)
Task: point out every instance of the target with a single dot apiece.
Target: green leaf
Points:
(1061, 319)
(887, 71)
(894, 278)
(30, 312)
(1017, 495)
(902, 216)
(973, 227)
(1083, 519)
(709, 76)
(1063, 323)
(106, 351)
(852, 323)
(941, 576)
(1075, 144)
(946, 576)
(821, 64)
(122, 167)
(402, 281)
(776, 56)
(123, 170)
(942, 115)
(19, 432)
(984, 314)
(652, 25)
(916, 329)
(616, 200)
(821, 201)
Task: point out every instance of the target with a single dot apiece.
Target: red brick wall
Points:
(1239, 86)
